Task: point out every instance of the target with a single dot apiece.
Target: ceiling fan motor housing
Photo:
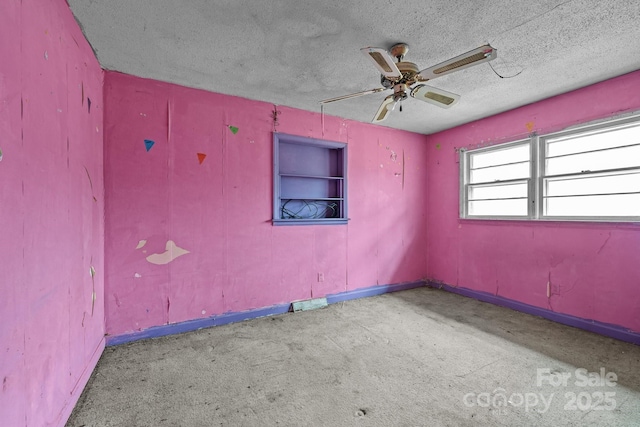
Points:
(400, 92)
(409, 70)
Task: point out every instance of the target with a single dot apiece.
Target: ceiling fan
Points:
(406, 80)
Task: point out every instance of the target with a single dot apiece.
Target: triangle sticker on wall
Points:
(148, 144)
(201, 157)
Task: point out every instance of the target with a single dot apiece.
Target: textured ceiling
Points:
(298, 52)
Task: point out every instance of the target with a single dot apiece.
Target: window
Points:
(590, 173)
(309, 181)
(498, 181)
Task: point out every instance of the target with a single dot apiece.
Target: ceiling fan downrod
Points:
(399, 50)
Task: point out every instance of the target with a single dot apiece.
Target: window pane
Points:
(500, 173)
(593, 141)
(518, 153)
(498, 191)
(610, 205)
(510, 207)
(601, 160)
(619, 183)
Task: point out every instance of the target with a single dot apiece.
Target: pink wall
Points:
(227, 256)
(592, 267)
(220, 210)
(52, 228)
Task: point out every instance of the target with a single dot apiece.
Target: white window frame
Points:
(536, 191)
(465, 173)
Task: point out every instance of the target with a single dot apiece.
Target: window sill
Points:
(577, 222)
(326, 221)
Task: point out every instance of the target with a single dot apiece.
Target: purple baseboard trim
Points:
(372, 291)
(223, 319)
(193, 325)
(606, 329)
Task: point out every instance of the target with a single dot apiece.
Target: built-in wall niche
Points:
(309, 181)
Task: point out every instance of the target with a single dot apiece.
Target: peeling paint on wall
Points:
(92, 273)
(172, 252)
(141, 244)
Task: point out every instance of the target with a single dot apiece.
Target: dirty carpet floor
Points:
(422, 357)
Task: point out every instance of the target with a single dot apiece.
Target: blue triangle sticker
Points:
(148, 144)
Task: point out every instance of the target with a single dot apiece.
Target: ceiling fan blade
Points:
(473, 57)
(353, 95)
(435, 96)
(383, 62)
(385, 108)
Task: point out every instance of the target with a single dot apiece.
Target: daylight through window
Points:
(590, 173)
